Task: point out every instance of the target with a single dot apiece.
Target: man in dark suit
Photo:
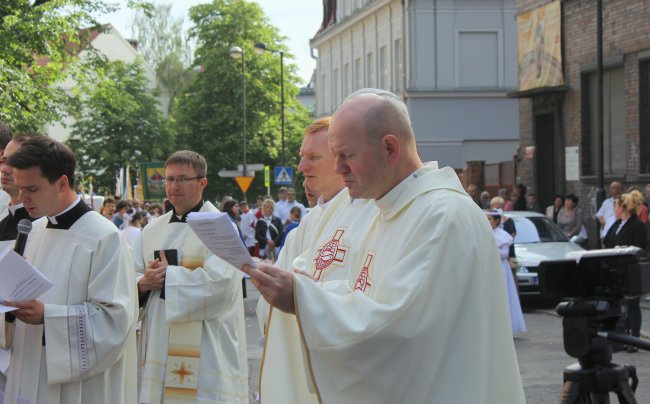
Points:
(8, 225)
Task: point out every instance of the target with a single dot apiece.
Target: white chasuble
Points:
(192, 344)
(427, 321)
(85, 352)
(336, 241)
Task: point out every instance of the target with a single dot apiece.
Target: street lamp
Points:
(236, 53)
(259, 49)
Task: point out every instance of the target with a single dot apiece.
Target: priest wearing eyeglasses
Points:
(192, 344)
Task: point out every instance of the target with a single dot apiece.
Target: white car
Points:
(538, 239)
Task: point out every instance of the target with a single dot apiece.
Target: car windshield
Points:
(537, 229)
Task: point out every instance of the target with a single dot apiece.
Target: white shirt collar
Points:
(14, 208)
(72, 205)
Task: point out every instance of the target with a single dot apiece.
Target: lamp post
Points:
(261, 48)
(236, 53)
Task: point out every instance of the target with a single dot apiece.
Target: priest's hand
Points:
(154, 275)
(307, 274)
(275, 285)
(29, 311)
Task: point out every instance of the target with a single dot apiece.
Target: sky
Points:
(298, 20)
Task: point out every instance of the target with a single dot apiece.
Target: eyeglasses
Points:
(180, 180)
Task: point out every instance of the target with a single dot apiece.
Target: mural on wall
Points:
(540, 47)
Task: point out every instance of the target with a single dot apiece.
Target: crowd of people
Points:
(389, 274)
(565, 210)
(263, 229)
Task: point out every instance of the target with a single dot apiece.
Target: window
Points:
(335, 89)
(358, 74)
(398, 67)
(370, 70)
(614, 139)
(644, 116)
(322, 94)
(384, 76)
(346, 79)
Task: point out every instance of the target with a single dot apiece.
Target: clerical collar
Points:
(182, 218)
(391, 197)
(68, 216)
(321, 202)
(14, 208)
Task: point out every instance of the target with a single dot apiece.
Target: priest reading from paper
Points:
(424, 318)
(75, 344)
(15, 213)
(192, 342)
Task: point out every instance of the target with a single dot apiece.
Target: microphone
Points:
(24, 227)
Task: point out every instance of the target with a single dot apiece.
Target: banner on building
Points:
(151, 175)
(540, 47)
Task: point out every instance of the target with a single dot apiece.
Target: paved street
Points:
(540, 352)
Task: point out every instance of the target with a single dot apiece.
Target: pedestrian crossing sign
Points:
(283, 175)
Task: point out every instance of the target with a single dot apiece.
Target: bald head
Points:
(374, 145)
(383, 113)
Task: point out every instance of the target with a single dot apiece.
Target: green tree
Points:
(209, 112)
(162, 44)
(119, 123)
(39, 43)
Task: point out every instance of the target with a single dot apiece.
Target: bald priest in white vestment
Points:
(426, 318)
(192, 343)
(76, 343)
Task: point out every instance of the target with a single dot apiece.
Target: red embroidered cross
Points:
(329, 253)
(363, 281)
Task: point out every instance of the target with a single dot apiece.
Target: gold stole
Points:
(184, 344)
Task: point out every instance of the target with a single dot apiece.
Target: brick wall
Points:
(626, 32)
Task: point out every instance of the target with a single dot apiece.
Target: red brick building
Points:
(558, 121)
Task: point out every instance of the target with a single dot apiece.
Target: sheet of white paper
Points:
(6, 245)
(5, 356)
(220, 235)
(20, 280)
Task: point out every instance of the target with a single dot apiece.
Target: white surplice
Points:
(203, 288)
(428, 319)
(504, 241)
(90, 315)
(334, 241)
(5, 200)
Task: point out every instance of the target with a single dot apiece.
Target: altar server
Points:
(76, 343)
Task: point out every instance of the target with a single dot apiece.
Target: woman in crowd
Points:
(133, 229)
(504, 241)
(518, 197)
(268, 231)
(231, 207)
(569, 219)
(295, 214)
(628, 230)
(553, 210)
(485, 200)
(507, 203)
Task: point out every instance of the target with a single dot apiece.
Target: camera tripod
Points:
(594, 377)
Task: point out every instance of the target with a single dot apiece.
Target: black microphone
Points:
(24, 227)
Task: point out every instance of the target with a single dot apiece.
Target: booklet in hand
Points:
(220, 235)
(21, 281)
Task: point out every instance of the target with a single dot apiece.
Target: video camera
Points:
(597, 283)
(609, 273)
